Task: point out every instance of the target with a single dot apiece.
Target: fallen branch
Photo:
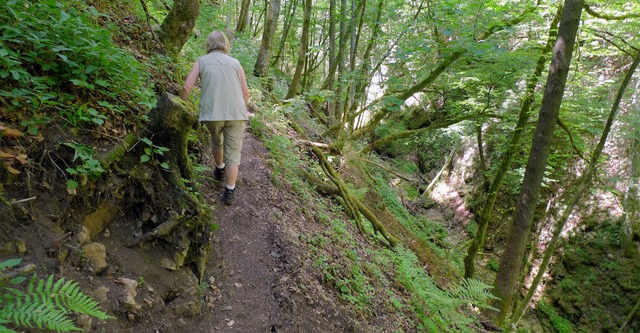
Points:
(352, 205)
(435, 179)
(18, 271)
(162, 230)
(389, 170)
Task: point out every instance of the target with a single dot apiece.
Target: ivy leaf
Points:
(144, 158)
(165, 165)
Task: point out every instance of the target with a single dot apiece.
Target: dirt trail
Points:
(262, 282)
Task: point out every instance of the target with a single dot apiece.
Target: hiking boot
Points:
(218, 174)
(229, 196)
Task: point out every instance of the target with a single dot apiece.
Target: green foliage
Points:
(592, 269)
(54, 57)
(439, 310)
(45, 303)
(152, 151)
(89, 169)
(559, 323)
(427, 231)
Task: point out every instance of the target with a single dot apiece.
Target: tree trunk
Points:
(523, 117)
(583, 185)
(261, 68)
(177, 26)
(333, 64)
(302, 50)
(243, 19)
(511, 264)
(342, 46)
(288, 21)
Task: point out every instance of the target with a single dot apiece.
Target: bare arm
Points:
(244, 86)
(190, 81)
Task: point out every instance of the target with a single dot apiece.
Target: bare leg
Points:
(231, 174)
(217, 155)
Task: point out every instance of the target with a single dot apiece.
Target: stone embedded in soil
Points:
(96, 257)
(101, 294)
(100, 219)
(127, 295)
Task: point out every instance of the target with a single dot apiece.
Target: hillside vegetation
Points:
(388, 180)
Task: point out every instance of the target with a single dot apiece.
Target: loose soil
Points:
(258, 278)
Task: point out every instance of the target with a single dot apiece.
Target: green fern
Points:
(472, 291)
(45, 304)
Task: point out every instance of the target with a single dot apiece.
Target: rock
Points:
(84, 236)
(168, 264)
(96, 256)
(100, 219)
(189, 302)
(187, 306)
(101, 294)
(7, 249)
(85, 322)
(22, 246)
(127, 296)
(182, 250)
(63, 253)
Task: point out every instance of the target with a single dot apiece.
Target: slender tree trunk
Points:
(511, 263)
(243, 19)
(355, 41)
(261, 68)
(583, 185)
(302, 50)
(178, 25)
(333, 64)
(487, 208)
(290, 13)
(342, 45)
(365, 71)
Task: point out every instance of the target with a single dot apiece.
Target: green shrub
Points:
(54, 58)
(559, 323)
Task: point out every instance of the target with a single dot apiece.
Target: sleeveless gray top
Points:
(221, 97)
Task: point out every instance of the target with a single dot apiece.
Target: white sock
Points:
(231, 187)
(221, 166)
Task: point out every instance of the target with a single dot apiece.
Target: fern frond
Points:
(46, 303)
(5, 329)
(473, 291)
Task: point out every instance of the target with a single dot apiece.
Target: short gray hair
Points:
(218, 41)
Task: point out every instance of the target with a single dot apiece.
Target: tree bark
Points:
(290, 13)
(523, 117)
(342, 46)
(302, 50)
(243, 19)
(333, 64)
(177, 26)
(261, 68)
(511, 263)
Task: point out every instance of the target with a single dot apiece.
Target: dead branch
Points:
(389, 170)
(162, 230)
(18, 271)
(435, 179)
(352, 205)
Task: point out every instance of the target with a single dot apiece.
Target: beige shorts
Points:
(228, 135)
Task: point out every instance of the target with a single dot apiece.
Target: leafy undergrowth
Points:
(596, 286)
(395, 286)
